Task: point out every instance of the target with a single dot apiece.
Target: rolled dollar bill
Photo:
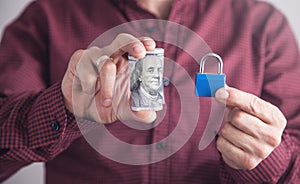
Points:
(146, 81)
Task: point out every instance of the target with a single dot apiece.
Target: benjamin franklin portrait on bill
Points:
(146, 82)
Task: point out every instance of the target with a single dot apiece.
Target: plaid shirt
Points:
(260, 56)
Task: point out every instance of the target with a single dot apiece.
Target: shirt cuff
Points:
(50, 122)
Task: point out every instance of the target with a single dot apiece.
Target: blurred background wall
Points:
(10, 9)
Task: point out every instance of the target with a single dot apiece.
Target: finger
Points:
(107, 82)
(246, 122)
(231, 162)
(144, 116)
(237, 137)
(127, 43)
(70, 78)
(75, 58)
(85, 72)
(251, 104)
(124, 43)
(254, 127)
(249, 144)
(126, 114)
(234, 156)
(70, 74)
(148, 43)
(230, 153)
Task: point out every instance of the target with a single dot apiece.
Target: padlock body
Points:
(208, 84)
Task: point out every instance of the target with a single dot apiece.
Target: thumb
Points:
(144, 116)
(126, 114)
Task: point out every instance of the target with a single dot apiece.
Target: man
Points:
(42, 88)
(146, 84)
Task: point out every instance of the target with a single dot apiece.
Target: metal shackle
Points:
(219, 59)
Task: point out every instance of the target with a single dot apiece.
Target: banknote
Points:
(146, 81)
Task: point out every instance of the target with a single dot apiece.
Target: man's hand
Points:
(96, 83)
(252, 128)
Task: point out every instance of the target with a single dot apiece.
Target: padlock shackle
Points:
(219, 59)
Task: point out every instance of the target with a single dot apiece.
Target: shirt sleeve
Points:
(281, 87)
(35, 126)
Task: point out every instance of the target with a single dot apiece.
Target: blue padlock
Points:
(207, 83)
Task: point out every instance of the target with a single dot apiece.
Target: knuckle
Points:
(77, 55)
(282, 120)
(108, 67)
(255, 102)
(219, 144)
(147, 40)
(94, 52)
(278, 117)
(234, 95)
(224, 130)
(258, 130)
(272, 140)
(237, 116)
(262, 152)
(250, 162)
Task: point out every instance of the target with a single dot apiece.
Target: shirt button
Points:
(55, 126)
(166, 81)
(161, 146)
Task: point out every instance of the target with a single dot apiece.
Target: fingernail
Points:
(138, 48)
(106, 102)
(148, 42)
(222, 94)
